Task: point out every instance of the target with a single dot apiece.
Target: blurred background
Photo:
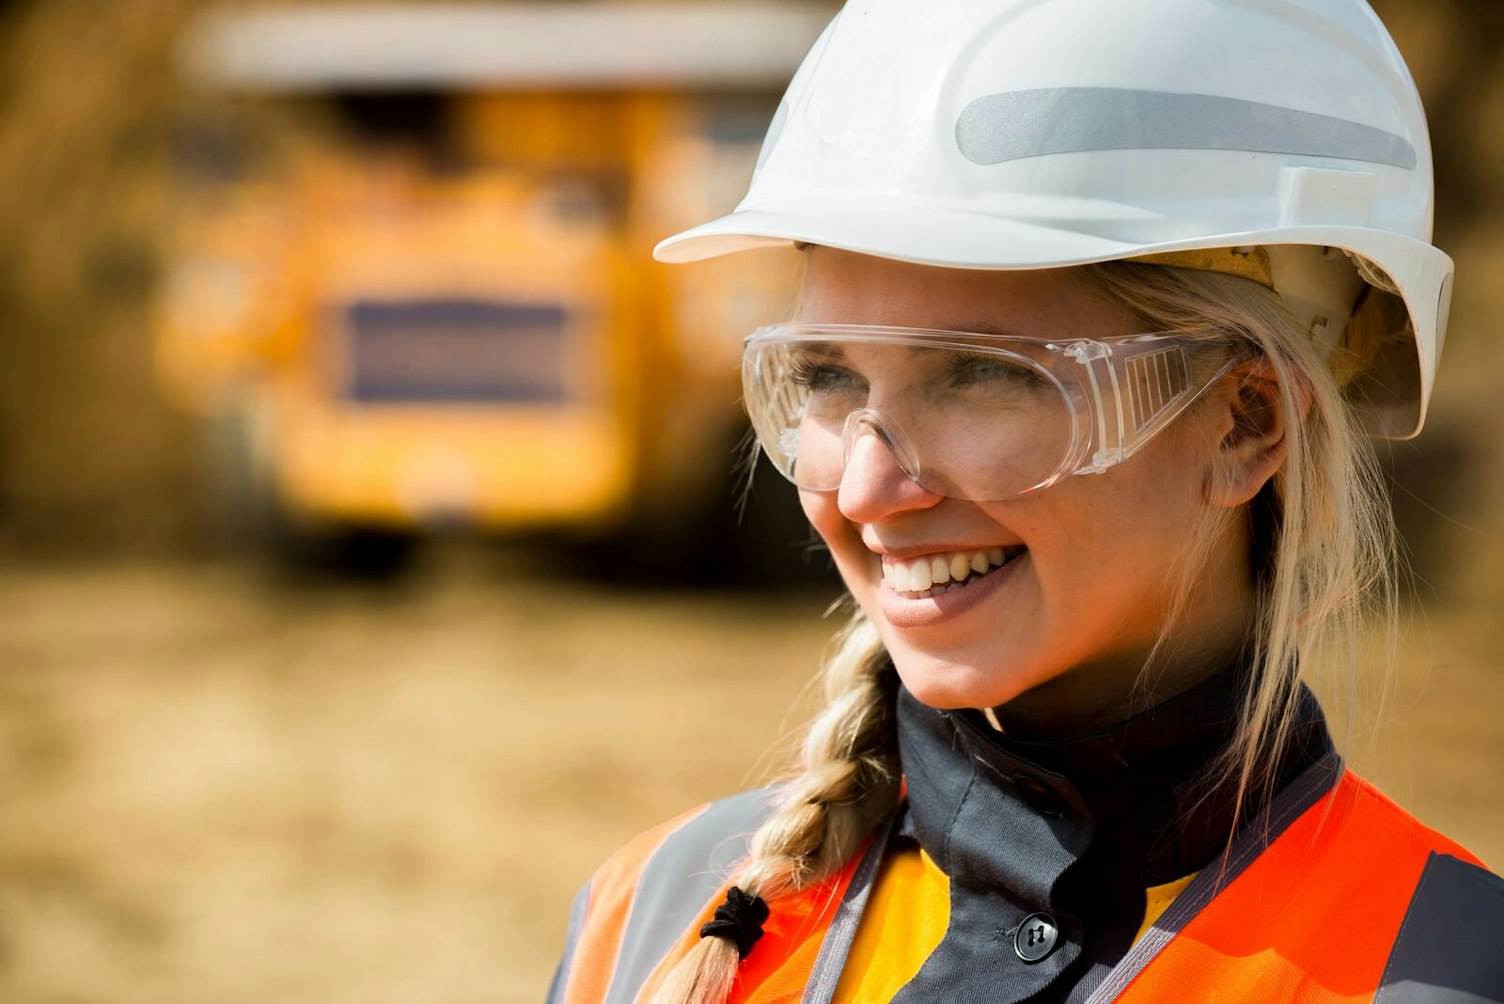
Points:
(370, 563)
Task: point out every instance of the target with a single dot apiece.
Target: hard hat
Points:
(1013, 134)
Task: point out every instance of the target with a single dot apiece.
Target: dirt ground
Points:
(222, 788)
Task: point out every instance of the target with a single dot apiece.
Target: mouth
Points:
(936, 574)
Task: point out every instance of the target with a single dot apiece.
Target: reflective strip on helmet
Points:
(1012, 126)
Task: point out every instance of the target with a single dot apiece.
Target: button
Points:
(1035, 937)
(1041, 796)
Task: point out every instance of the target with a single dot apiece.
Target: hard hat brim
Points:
(927, 236)
(937, 235)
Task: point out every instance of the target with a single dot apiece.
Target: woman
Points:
(1101, 302)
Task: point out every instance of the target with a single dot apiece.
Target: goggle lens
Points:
(971, 416)
(969, 421)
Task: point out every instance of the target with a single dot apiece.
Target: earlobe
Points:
(1254, 427)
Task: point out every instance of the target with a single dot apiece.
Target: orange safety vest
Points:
(1337, 895)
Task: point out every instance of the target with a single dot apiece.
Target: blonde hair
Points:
(847, 784)
(1323, 534)
(1323, 548)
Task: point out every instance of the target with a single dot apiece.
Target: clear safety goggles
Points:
(971, 416)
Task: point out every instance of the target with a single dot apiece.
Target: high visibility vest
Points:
(1338, 895)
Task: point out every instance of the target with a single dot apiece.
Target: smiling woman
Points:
(1101, 304)
(1094, 564)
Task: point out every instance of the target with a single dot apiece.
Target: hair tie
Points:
(740, 919)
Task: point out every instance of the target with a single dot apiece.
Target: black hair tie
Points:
(740, 919)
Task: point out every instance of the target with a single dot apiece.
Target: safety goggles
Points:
(971, 416)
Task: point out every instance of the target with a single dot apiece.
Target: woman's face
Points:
(1055, 637)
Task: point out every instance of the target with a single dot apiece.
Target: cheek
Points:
(842, 539)
(1113, 540)
(820, 511)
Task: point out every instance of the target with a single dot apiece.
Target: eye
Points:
(984, 369)
(818, 377)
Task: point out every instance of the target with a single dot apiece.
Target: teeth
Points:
(941, 572)
(919, 576)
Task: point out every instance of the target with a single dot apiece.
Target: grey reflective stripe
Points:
(1448, 947)
(1013, 125)
(571, 939)
(826, 975)
(678, 882)
(1252, 840)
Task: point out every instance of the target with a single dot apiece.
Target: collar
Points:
(1075, 829)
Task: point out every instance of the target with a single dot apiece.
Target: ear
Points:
(1249, 415)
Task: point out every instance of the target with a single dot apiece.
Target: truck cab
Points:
(411, 284)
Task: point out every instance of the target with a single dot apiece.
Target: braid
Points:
(849, 781)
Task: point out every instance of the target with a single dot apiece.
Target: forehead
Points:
(843, 287)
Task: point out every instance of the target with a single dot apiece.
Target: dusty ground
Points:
(220, 791)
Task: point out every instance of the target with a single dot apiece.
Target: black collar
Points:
(1074, 828)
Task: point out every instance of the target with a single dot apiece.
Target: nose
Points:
(876, 481)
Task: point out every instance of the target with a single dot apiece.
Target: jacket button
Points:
(1035, 937)
(1039, 795)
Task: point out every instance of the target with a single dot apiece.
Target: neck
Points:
(1206, 631)
(1095, 696)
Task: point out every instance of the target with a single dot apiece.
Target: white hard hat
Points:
(1013, 134)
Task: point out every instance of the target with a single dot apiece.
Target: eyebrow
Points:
(835, 351)
(975, 327)
(824, 350)
(987, 328)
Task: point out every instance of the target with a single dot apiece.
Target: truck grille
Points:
(455, 350)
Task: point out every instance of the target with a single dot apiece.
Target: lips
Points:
(941, 572)
(938, 604)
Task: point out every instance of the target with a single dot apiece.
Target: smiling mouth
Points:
(934, 574)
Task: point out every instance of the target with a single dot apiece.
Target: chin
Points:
(949, 683)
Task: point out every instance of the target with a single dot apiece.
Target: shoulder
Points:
(1449, 944)
(639, 903)
(1378, 823)
(705, 843)
(1352, 898)
(1449, 941)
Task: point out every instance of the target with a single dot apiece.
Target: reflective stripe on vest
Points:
(639, 903)
(1309, 905)
(1315, 918)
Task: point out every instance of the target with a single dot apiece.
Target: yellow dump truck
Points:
(411, 283)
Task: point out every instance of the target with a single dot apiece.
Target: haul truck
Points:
(412, 285)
